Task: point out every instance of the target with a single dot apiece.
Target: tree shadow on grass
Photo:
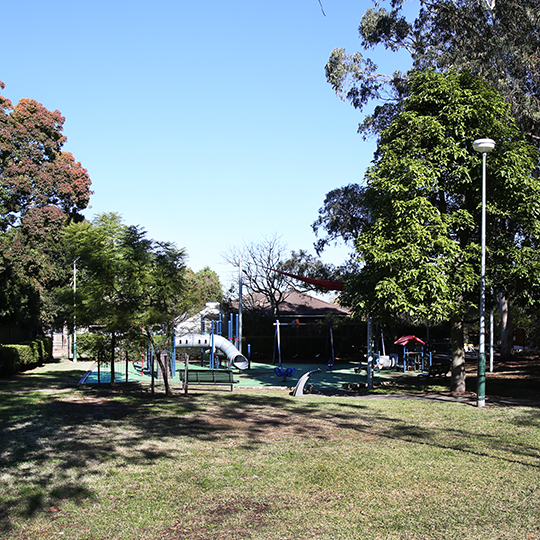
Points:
(54, 437)
(497, 446)
(529, 418)
(52, 443)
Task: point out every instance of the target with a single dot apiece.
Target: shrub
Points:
(14, 358)
(93, 345)
(9, 359)
(46, 348)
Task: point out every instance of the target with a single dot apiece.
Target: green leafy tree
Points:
(202, 287)
(497, 40)
(163, 301)
(420, 249)
(342, 217)
(42, 189)
(132, 286)
(303, 264)
(109, 256)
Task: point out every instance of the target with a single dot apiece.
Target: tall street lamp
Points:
(74, 308)
(484, 146)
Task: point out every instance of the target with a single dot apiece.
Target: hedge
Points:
(15, 358)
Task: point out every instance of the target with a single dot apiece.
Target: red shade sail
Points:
(324, 284)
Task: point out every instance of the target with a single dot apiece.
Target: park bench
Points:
(212, 377)
(440, 369)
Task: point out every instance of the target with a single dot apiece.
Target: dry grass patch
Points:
(107, 464)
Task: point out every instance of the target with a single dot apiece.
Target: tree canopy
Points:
(342, 217)
(130, 283)
(42, 188)
(202, 287)
(420, 248)
(496, 40)
(259, 262)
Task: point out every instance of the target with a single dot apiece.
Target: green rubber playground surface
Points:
(259, 375)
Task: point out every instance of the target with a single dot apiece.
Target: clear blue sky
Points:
(209, 123)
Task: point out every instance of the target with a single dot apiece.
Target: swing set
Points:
(295, 324)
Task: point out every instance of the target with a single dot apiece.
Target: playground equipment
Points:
(412, 358)
(213, 340)
(282, 372)
(299, 389)
(210, 321)
(296, 324)
(330, 344)
(385, 362)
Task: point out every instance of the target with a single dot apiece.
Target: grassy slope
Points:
(99, 464)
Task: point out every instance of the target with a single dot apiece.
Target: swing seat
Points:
(388, 362)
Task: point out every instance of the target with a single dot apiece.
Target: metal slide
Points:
(224, 345)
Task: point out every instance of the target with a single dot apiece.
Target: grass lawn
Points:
(79, 462)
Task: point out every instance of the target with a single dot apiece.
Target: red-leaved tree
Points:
(42, 189)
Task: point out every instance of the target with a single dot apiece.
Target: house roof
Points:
(300, 305)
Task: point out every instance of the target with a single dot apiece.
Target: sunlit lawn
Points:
(81, 462)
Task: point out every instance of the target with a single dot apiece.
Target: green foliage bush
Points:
(93, 345)
(14, 358)
(9, 359)
(47, 347)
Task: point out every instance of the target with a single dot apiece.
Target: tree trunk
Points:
(113, 347)
(507, 333)
(165, 373)
(164, 369)
(458, 356)
(152, 368)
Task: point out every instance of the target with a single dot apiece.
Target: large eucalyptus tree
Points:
(498, 40)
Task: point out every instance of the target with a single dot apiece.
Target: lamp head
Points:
(484, 145)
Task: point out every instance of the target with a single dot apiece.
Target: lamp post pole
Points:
(369, 368)
(74, 307)
(240, 293)
(484, 146)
